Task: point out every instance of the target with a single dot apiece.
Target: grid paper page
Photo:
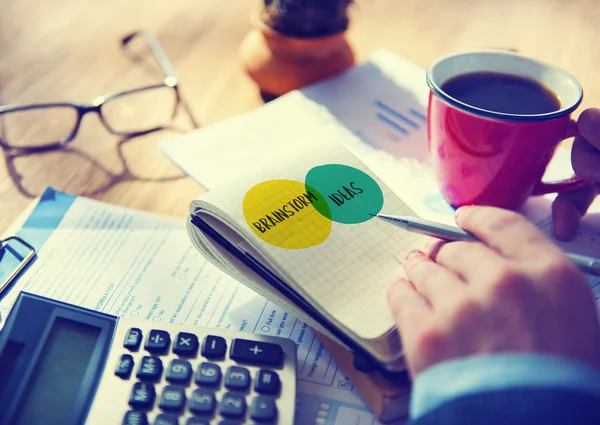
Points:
(346, 273)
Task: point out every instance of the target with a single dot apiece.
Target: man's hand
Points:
(514, 292)
(569, 207)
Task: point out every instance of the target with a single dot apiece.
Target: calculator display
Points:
(54, 386)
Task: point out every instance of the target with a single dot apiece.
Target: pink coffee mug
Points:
(484, 157)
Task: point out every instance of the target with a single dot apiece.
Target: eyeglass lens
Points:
(140, 110)
(37, 127)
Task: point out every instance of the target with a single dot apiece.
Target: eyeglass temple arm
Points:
(157, 50)
(163, 61)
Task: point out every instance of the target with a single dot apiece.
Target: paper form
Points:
(133, 264)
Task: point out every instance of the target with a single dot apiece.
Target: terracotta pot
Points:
(279, 64)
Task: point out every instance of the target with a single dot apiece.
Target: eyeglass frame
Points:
(170, 80)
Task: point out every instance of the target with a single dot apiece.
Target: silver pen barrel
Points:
(439, 230)
(588, 265)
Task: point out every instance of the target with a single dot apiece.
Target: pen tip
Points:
(374, 215)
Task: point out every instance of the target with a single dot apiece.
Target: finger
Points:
(472, 261)
(569, 207)
(565, 218)
(435, 283)
(589, 126)
(508, 232)
(585, 159)
(429, 244)
(432, 247)
(409, 308)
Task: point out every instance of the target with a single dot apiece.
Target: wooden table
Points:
(68, 50)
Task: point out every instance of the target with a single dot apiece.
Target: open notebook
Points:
(301, 232)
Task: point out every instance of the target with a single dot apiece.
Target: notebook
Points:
(301, 232)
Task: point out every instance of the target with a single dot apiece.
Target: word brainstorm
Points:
(286, 211)
(294, 215)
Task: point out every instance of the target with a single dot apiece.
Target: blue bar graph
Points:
(418, 114)
(397, 114)
(391, 123)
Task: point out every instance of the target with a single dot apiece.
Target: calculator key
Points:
(267, 382)
(208, 374)
(124, 366)
(197, 421)
(166, 419)
(133, 339)
(214, 347)
(237, 378)
(263, 409)
(134, 417)
(202, 402)
(157, 341)
(179, 371)
(172, 398)
(233, 405)
(142, 395)
(254, 352)
(186, 344)
(151, 368)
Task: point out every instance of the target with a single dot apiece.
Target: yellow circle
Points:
(281, 213)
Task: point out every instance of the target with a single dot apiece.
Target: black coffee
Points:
(504, 93)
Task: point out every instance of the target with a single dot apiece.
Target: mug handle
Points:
(543, 188)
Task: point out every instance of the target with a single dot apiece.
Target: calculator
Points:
(68, 365)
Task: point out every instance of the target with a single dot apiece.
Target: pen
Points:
(586, 264)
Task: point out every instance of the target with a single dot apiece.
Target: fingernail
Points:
(459, 212)
(392, 292)
(413, 254)
(430, 245)
(396, 286)
(393, 287)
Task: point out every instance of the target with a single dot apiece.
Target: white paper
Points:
(133, 264)
(382, 101)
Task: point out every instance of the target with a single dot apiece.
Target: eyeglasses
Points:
(47, 126)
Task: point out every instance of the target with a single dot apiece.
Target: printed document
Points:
(132, 264)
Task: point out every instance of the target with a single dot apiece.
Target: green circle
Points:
(348, 195)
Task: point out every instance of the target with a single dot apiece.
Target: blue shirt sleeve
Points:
(448, 380)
